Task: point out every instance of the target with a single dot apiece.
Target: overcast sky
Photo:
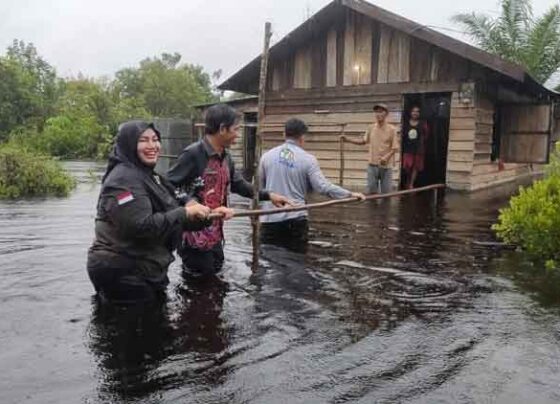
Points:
(98, 37)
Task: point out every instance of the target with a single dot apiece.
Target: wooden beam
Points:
(260, 119)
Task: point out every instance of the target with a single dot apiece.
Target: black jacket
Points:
(193, 161)
(139, 223)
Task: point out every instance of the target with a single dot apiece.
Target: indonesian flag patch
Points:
(125, 197)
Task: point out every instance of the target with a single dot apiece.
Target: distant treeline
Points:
(77, 117)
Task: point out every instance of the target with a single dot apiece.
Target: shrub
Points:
(532, 219)
(66, 137)
(24, 173)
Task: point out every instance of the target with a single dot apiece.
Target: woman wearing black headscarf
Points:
(139, 222)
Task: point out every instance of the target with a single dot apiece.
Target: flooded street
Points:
(395, 301)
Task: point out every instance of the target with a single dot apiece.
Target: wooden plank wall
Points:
(460, 151)
(524, 135)
(302, 67)
(486, 173)
(348, 105)
(360, 51)
(394, 56)
(331, 60)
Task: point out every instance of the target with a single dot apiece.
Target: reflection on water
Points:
(134, 345)
(394, 301)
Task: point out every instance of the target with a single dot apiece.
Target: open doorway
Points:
(434, 116)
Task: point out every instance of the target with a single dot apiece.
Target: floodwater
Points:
(402, 301)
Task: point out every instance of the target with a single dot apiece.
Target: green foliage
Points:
(77, 118)
(80, 127)
(166, 87)
(532, 219)
(517, 36)
(28, 88)
(25, 174)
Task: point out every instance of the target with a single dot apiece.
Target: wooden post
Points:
(341, 149)
(258, 142)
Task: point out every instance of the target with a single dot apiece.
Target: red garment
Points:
(416, 160)
(213, 194)
(412, 161)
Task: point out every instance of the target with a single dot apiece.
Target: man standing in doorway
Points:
(291, 171)
(414, 136)
(383, 144)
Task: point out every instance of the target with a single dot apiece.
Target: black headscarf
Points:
(125, 150)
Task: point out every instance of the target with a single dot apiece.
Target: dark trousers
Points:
(120, 284)
(291, 234)
(202, 263)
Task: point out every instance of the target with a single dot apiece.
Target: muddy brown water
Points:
(401, 301)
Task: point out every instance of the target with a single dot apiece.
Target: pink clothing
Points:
(212, 194)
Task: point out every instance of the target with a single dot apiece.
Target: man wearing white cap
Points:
(383, 144)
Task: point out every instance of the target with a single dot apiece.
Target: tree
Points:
(29, 88)
(40, 76)
(87, 117)
(78, 117)
(166, 87)
(518, 36)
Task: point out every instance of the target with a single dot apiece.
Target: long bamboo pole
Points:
(258, 141)
(256, 213)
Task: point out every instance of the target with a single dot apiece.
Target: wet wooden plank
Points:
(385, 38)
(526, 131)
(420, 59)
(363, 117)
(461, 146)
(375, 43)
(434, 64)
(458, 123)
(460, 112)
(302, 68)
(377, 89)
(459, 166)
(331, 58)
(340, 54)
(403, 65)
(363, 48)
(349, 48)
(276, 77)
(460, 156)
(462, 135)
(318, 63)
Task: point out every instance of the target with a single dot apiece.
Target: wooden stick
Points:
(258, 143)
(341, 146)
(255, 212)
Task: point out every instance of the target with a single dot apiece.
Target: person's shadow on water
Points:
(142, 350)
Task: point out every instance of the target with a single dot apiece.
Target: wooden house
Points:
(490, 122)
